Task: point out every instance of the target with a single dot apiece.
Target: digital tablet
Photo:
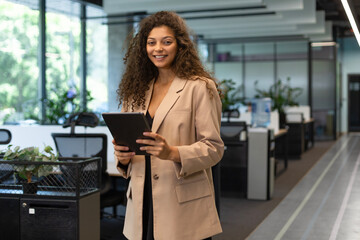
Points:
(126, 128)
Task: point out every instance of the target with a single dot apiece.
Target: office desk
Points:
(300, 136)
(281, 147)
(309, 133)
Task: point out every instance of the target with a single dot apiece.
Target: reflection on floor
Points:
(325, 204)
(240, 217)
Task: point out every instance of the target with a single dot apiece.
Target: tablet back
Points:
(126, 128)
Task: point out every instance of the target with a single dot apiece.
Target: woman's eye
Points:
(167, 42)
(151, 43)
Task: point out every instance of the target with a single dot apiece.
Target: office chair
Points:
(90, 145)
(5, 136)
(233, 171)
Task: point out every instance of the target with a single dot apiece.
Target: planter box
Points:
(70, 177)
(66, 205)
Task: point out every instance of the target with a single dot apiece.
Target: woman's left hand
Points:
(158, 147)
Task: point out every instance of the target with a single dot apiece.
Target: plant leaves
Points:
(31, 154)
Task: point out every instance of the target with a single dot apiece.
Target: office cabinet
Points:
(234, 169)
(66, 205)
(233, 172)
(300, 137)
(261, 164)
(56, 219)
(295, 139)
(10, 218)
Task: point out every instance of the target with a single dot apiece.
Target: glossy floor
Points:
(325, 204)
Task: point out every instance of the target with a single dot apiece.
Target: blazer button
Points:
(156, 177)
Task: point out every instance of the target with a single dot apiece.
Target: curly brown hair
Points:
(140, 70)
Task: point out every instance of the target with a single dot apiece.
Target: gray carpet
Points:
(111, 228)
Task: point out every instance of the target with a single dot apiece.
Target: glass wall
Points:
(292, 63)
(259, 67)
(260, 64)
(228, 64)
(324, 91)
(19, 71)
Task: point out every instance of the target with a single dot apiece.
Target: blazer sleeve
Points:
(209, 147)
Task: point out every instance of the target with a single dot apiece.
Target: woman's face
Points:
(161, 47)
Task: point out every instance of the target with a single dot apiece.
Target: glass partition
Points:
(324, 91)
(259, 67)
(292, 63)
(228, 62)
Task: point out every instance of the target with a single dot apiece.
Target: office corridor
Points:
(325, 204)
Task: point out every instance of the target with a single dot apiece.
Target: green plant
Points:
(31, 154)
(281, 94)
(232, 96)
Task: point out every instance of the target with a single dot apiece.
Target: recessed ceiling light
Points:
(351, 19)
(323, 44)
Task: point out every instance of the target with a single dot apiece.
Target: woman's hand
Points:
(158, 147)
(122, 154)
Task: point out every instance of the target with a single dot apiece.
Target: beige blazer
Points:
(183, 193)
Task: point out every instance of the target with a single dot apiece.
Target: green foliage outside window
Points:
(19, 71)
(18, 58)
(63, 104)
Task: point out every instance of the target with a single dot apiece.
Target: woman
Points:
(170, 194)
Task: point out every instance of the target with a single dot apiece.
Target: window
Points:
(97, 65)
(19, 70)
(62, 60)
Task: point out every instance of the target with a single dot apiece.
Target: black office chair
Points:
(90, 145)
(233, 171)
(5, 136)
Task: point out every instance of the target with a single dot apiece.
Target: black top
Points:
(148, 228)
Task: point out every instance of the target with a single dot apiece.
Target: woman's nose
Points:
(158, 47)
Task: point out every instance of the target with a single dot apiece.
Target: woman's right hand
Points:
(122, 153)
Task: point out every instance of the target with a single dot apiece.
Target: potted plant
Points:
(281, 94)
(26, 164)
(231, 98)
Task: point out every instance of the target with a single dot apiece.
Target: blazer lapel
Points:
(169, 100)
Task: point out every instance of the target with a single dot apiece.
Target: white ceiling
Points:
(223, 19)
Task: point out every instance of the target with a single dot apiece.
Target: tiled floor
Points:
(325, 204)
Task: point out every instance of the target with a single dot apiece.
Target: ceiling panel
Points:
(151, 6)
(214, 19)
